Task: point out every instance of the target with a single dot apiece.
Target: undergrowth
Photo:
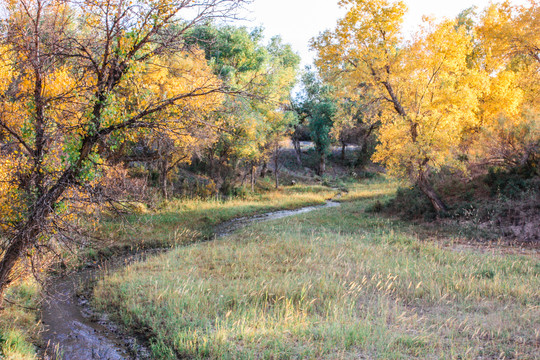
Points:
(181, 221)
(499, 204)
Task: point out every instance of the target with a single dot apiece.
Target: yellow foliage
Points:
(503, 96)
(442, 87)
(7, 71)
(429, 93)
(510, 107)
(10, 202)
(49, 101)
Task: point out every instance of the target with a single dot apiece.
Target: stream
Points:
(74, 332)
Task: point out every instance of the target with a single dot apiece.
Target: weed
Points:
(180, 221)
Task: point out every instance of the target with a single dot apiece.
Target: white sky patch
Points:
(297, 21)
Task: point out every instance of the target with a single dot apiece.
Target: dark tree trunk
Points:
(244, 177)
(253, 171)
(13, 253)
(28, 233)
(163, 178)
(276, 165)
(429, 191)
(210, 164)
(343, 148)
(322, 165)
(264, 170)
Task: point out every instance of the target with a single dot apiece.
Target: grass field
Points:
(174, 223)
(181, 221)
(337, 283)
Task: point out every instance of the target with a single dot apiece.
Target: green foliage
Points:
(377, 207)
(232, 51)
(252, 123)
(410, 203)
(514, 182)
(320, 124)
(318, 106)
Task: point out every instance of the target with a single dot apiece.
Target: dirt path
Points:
(74, 332)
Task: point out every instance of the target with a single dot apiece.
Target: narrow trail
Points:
(74, 332)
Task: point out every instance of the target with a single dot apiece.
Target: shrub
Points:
(410, 204)
(512, 183)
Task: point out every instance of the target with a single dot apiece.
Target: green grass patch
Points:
(334, 283)
(18, 324)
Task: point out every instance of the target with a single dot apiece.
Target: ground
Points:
(335, 283)
(172, 223)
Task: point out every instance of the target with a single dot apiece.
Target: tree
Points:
(426, 88)
(356, 121)
(264, 75)
(508, 49)
(79, 77)
(318, 106)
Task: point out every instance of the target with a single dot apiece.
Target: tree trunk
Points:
(429, 191)
(28, 233)
(343, 148)
(211, 167)
(253, 170)
(164, 165)
(322, 165)
(276, 165)
(13, 253)
(264, 170)
(244, 177)
(297, 151)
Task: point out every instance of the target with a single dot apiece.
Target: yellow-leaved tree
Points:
(78, 78)
(426, 88)
(509, 48)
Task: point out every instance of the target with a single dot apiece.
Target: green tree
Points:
(318, 106)
(255, 116)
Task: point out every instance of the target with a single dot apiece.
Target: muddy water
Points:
(71, 334)
(74, 332)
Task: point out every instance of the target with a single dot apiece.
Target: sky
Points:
(297, 21)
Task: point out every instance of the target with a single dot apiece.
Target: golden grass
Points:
(173, 223)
